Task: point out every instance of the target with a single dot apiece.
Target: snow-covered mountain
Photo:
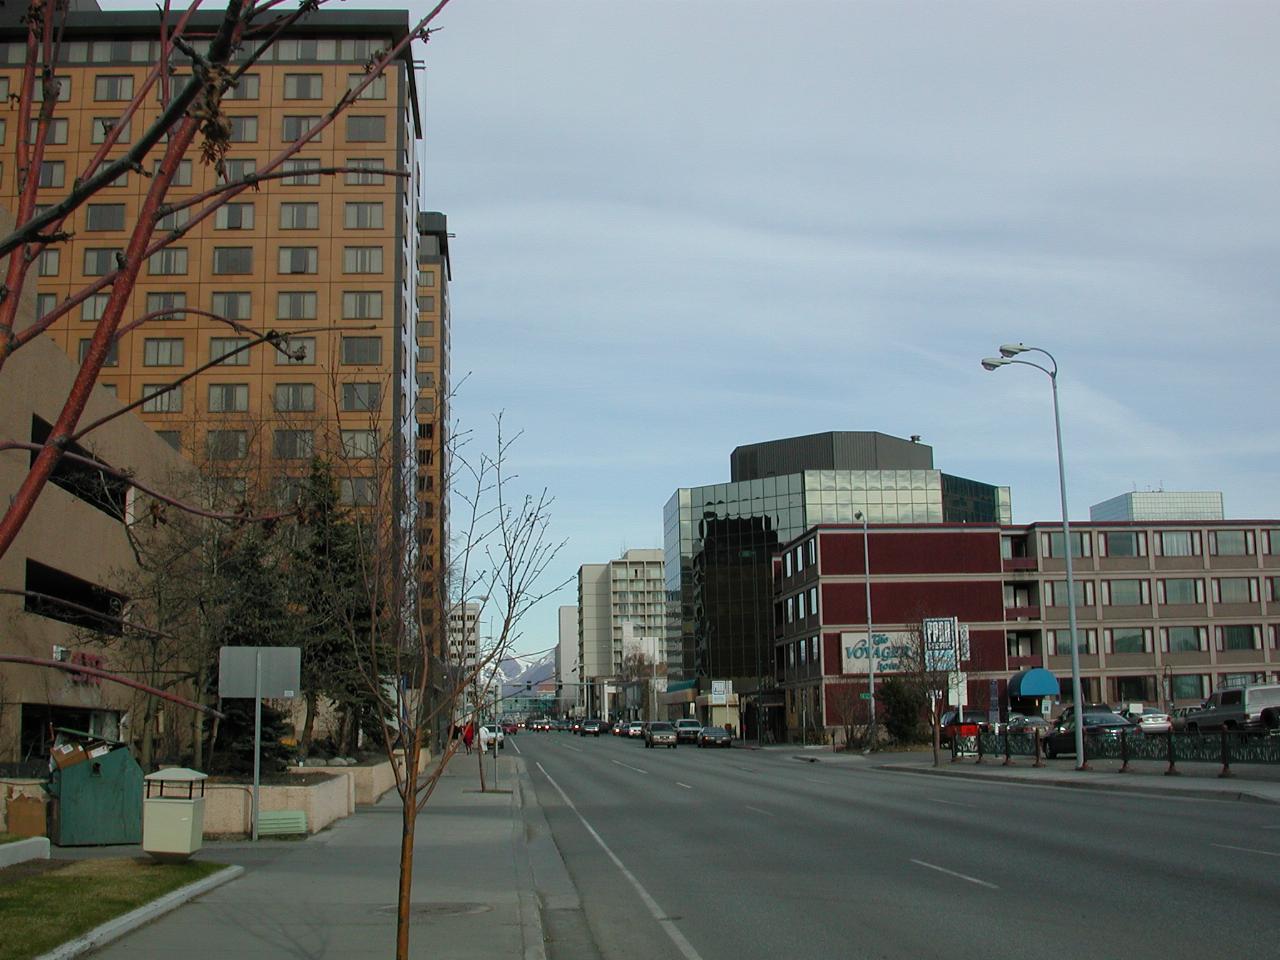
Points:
(515, 671)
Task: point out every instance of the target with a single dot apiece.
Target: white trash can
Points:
(173, 813)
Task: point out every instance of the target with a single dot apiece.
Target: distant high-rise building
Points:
(567, 659)
(1141, 505)
(621, 614)
(464, 636)
(720, 538)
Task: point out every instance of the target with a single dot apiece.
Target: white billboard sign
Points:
(941, 638)
(892, 651)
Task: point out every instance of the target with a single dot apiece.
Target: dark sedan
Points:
(590, 728)
(714, 737)
(1062, 739)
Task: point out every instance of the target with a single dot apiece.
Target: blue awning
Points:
(1035, 682)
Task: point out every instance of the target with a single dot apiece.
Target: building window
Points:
(296, 305)
(1086, 641)
(182, 176)
(426, 303)
(95, 607)
(359, 443)
(1125, 593)
(101, 127)
(223, 347)
(1188, 686)
(367, 129)
(104, 216)
(113, 353)
(1181, 591)
(292, 444)
(376, 90)
(361, 304)
(171, 261)
(162, 352)
(246, 88)
(1122, 543)
(232, 305)
(361, 396)
(305, 173)
(296, 352)
(1179, 543)
(168, 402)
(299, 259)
(356, 491)
(228, 397)
(363, 216)
(426, 328)
(1053, 544)
(1235, 590)
(45, 304)
(94, 307)
(233, 171)
(369, 174)
(362, 259)
(293, 128)
(228, 444)
(48, 262)
(232, 260)
(1185, 639)
(56, 130)
(295, 397)
(299, 216)
(361, 349)
(234, 216)
(1231, 543)
(113, 88)
(303, 86)
(53, 173)
(426, 278)
(1238, 636)
(1058, 593)
(1129, 640)
(63, 85)
(426, 354)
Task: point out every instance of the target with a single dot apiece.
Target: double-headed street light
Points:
(1007, 352)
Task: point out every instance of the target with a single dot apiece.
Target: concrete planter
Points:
(20, 851)
(228, 806)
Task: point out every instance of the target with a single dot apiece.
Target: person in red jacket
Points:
(468, 735)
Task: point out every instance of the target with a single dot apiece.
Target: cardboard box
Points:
(26, 816)
(67, 755)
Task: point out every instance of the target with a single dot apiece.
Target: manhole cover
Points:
(427, 911)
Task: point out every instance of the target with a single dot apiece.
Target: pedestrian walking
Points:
(468, 735)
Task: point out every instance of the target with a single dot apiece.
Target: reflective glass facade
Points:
(719, 541)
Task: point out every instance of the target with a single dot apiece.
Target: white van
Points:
(1255, 707)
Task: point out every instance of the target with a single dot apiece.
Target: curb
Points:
(20, 851)
(532, 931)
(1134, 788)
(126, 923)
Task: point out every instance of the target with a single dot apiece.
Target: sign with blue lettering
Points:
(892, 651)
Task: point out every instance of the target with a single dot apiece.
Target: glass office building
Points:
(719, 541)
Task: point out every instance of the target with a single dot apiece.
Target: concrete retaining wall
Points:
(228, 806)
(20, 851)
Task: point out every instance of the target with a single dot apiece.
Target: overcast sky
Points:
(685, 226)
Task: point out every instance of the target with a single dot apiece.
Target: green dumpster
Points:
(96, 790)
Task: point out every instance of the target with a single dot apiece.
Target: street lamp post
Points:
(871, 648)
(1007, 352)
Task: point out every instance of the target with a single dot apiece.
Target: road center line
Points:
(668, 926)
(1263, 853)
(571, 747)
(516, 747)
(630, 767)
(958, 876)
(685, 785)
(758, 810)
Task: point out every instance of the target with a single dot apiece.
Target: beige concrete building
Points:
(621, 613)
(73, 548)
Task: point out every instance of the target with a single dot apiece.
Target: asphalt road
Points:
(733, 854)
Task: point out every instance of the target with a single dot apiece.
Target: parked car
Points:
(951, 725)
(714, 737)
(1018, 723)
(635, 729)
(1149, 720)
(487, 735)
(1062, 739)
(1069, 711)
(687, 730)
(1255, 707)
(1179, 717)
(659, 733)
(590, 728)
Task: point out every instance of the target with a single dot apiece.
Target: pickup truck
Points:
(1254, 707)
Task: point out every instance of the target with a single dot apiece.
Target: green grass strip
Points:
(41, 912)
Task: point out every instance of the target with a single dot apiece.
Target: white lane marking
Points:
(630, 767)
(758, 810)
(685, 785)
(515, 746)
(570, 747)
(958, 876)
(949, 803)
(1275, 827)
(1264, 853)
(672, 931)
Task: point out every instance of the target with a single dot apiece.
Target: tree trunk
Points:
(934, 717)
(197, 723)
(309, 724)
(408, 821)
(147, 747)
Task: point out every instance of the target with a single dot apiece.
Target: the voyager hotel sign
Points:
(892, 651)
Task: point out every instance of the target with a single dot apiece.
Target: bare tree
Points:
(852, 713)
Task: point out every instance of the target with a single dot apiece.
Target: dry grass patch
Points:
(38, 913)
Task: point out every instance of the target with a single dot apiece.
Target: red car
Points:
(510, 727)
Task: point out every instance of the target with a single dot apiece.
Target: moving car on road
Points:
(590, 728)
(714, 737)
(687, 730)
(659, 733)
(635, 729)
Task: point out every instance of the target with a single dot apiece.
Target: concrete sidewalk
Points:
(333, 895)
